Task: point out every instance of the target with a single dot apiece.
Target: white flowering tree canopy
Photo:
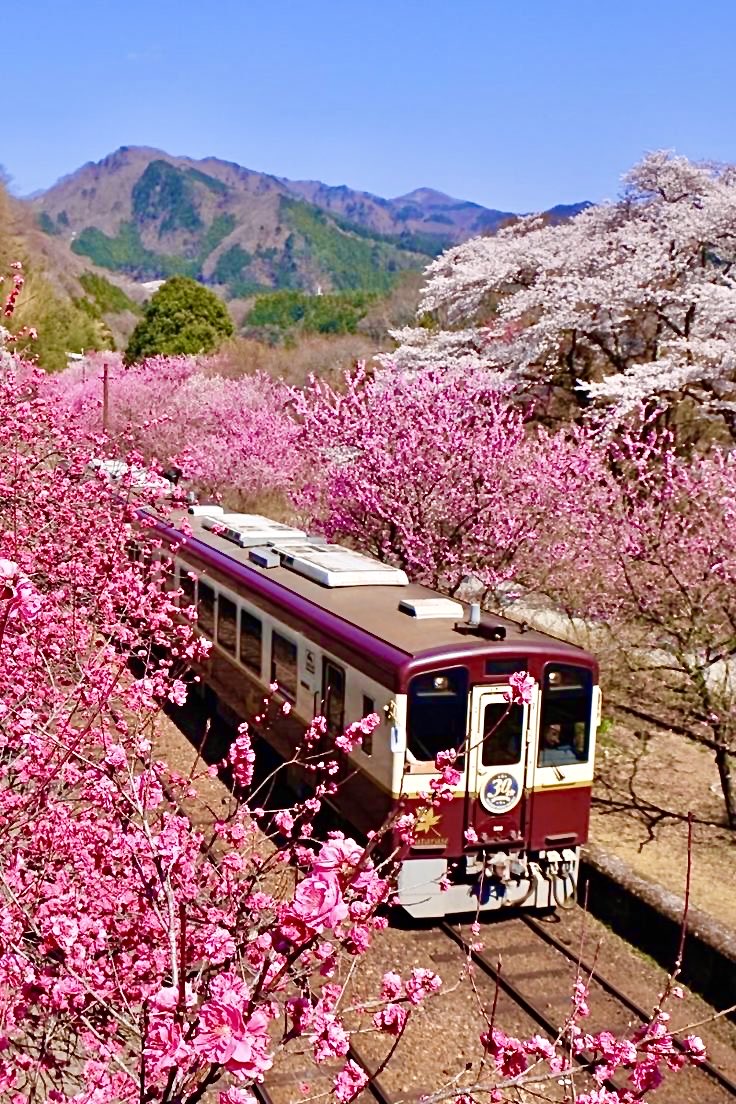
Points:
(624, 302)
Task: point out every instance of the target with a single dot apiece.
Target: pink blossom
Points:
(65, 931)
(349, 1082)
(405, 828)
(421, 984)
(540, 1047)
(226, 1039)
(521, 690)
(580, 998)
(390, 1019)
(8, 575)
(391, 985)
(331, 1042)
(178, 692)
(318, 901)
(339, 855)
(353, 735)
(241, 758)
(284, 821)
(167, 998)
(234, 1095)
(508, 1053)
(116, 756)
(695, 1048)
(646, 1076)
(164, 1042)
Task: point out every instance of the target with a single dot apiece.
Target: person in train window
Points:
(557, 746)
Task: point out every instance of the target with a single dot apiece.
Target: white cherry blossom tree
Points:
(627, 301)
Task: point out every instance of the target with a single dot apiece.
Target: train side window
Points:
(333, 695)
(369, 706)
(251, 641)
(438, 713)
(227, 624)
(284, 665)
(188, 587)
(502, 734)
(206, 608)
(564, 731)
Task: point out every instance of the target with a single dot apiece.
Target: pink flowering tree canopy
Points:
(436, 473)
(231, 437)
(143, 958)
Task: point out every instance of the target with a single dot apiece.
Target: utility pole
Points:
(105, 399)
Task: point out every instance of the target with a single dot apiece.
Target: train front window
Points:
(503, 726)
(564, 731)
(437, 713)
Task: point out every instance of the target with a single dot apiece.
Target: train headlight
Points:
(441, 683)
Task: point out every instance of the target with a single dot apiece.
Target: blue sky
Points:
(516, 105)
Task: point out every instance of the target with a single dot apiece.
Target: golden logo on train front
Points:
(426, 826)
(500, 793)
(427, 821)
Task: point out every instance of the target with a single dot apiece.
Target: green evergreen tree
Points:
(182, 317)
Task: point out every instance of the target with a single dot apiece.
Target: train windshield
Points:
(437, 713)
(564, 732)
(503, 729)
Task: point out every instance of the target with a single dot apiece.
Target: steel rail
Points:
(613, 990)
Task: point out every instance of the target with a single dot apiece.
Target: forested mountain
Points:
(70, 305)
(148, 215)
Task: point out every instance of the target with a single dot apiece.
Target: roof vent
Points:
(207, 509)
(264, 557)
(249, 530)
(427, 608)
(333, 565)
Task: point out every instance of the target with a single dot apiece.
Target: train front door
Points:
(497, 766)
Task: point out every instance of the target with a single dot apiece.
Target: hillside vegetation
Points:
(149, 216)
(66, 315)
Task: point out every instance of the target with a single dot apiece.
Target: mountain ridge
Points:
(146, 214)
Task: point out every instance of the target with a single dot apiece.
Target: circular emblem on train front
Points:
(500, 793)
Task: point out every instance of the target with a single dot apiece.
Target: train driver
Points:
(557, 745)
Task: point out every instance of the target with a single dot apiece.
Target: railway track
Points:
(614, 991)
(528, 1004)
(534, 1008)
(535, 977)
(514, 983)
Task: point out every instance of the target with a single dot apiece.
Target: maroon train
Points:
(346, 635)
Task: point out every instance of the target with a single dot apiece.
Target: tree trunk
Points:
(728, 783)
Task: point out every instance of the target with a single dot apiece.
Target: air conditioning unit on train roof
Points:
(250, 530)
(333, 565)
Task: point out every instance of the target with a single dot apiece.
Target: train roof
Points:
(370, 611)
